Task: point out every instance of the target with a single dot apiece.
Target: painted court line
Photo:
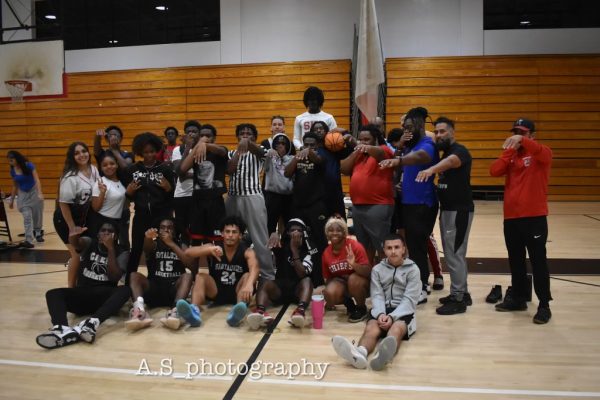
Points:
(425, 389)
(121, 371)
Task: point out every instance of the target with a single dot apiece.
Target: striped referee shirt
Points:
(245, 181)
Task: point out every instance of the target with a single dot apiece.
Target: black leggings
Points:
(142, 221)
(99, 301)
(419, 220)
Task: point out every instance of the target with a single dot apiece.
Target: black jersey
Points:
(227, 273)
(163, 263)
(93, 270)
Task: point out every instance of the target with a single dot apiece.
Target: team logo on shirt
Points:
(527, 161)
(98, 270)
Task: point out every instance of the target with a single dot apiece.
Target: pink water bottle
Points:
(318, 310)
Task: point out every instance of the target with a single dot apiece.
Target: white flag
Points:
(369, 63)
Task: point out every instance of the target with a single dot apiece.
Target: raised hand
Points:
(102, 187)
(351, 257)
(151, 233)
(389, 163)
(423, 175)
(513, 142)
(77, 230)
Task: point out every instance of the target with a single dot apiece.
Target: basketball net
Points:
(17, 88)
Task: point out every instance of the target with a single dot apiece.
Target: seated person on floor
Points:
(395, 289)
(346, 271)
(293, 262)
(232, 274)
(167, 280)
(96, 292)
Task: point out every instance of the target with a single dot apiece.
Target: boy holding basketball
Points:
(313, 101)
(395, 289)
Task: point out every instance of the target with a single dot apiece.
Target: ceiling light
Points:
(50, 16)
(525, 22)
(161, 8)
(113, 41)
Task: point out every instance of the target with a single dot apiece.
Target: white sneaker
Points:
(385, 352)
(422, 297)
(349, 352)
(412, 327)
(87, 329)
(172, 320)
(58, 336)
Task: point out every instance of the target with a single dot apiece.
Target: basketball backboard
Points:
(41, 63)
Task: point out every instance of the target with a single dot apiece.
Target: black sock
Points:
(544, 304)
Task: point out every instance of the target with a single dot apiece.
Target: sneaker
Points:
(542, 316)
(509, 304)
(27, 245)
(87, 329)
(427, 288)
(495, 295)
(171, 320)
(237, 314)
(412, 327)
(508, 295)
(258, 320)
(298, 319)
(189, 312)
(385, 352)
(438, 283)
(422, 297)
(466, 298)
(39, 237)
(58, 336)
(359, 314)
(452, 306)
(350, 305)
(349, 352)
(138, 319)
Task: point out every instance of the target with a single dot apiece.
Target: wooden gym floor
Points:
(481, 354)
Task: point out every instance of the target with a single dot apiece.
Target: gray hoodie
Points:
(275, 180)
(395, 287)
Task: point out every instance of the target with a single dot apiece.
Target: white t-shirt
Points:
(305, 120)
(183, 188)
(77, 189)
(114, 199)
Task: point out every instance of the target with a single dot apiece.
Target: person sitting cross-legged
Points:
(233, 272)
(167, 280)
(293, 260)
(395, 290)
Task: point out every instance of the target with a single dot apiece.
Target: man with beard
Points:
(457, 209)
(419, 202)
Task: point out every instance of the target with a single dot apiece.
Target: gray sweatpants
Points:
(32, 208)
(454, 228)
(254, 213)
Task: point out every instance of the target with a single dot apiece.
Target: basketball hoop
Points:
(16, 88)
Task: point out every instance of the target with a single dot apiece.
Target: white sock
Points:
(139, 303)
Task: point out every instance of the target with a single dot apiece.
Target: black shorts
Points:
(206, 217)
(61, 227)
(288, 290)
(225, 295)
(161, 292)
(407, 319)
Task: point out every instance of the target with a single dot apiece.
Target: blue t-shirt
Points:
(24, 182)
(420, 192)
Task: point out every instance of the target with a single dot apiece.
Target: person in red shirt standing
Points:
(346, 271)
(526, 165)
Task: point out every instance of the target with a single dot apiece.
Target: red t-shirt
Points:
(369, 184)
(336, 265)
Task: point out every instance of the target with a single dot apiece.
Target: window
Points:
(85, 24)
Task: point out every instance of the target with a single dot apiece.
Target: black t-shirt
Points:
(309, 183)
(163, 263)
(209, 177)
(93, 270)
(454, 185)
(150, 197)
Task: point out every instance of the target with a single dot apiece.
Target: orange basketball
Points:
(334, 141)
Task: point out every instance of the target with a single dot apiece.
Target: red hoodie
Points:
(527, 172)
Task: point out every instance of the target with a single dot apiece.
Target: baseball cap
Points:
(523, 124)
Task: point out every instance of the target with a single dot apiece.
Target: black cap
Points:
(523, 124)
